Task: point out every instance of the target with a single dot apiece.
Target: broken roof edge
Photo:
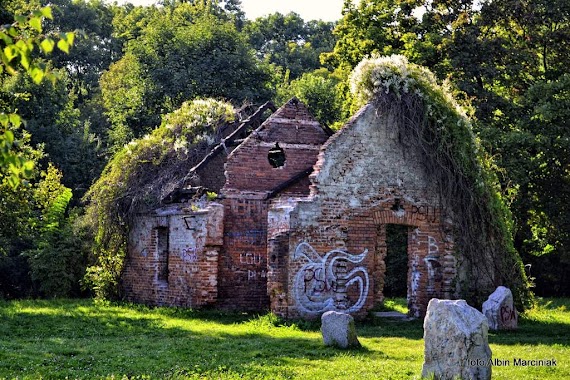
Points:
(230, 140)
(333, 140)
(276, 112)
(233, 136)
(302, 108)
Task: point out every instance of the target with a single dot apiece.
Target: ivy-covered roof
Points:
(432, 121)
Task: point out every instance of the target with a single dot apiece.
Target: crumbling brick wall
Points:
(173, 256)
(252, 180)
(365, 178)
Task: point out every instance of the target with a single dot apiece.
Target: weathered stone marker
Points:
(338, 330)
(500, 310)
(456, 342)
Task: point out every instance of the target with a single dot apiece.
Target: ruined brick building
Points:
(300, 223)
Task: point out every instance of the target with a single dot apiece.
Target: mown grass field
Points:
(83, 339)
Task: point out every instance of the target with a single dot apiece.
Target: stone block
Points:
(456, 342)
(338, 330)
(500, 310)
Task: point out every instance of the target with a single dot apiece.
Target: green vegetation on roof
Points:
(140, 175)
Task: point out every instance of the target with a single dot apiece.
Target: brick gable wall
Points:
(250, 181)
(335, 243)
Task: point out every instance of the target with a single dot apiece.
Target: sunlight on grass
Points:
(396, 304)
(85, 340)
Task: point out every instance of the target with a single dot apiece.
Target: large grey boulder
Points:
(500, 310)
(456, 342)
(338, 330)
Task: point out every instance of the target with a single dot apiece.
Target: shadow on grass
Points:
(386, 327)
(79, 340)
(533, 333)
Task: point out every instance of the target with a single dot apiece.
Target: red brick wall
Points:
(243, 260)
(250, 178)
(190, 252)
(364, 179)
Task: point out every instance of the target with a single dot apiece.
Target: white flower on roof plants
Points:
(181, 144)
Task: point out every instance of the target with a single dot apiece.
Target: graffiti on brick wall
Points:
(250, 258)
(425, 213)
(433, 266)
(189, 255)
(322, 284)
(253, 275)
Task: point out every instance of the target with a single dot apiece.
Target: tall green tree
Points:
(370, 27)
(175, 60)
(17, 43)
(321, 91)
(289, 42)
(25, 214)
(511, 61)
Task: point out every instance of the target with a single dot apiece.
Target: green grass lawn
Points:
(82, 339)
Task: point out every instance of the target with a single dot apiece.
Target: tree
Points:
(26, 215)
(370, 27)
(320, 91)
(95, 46)
(17, 42)
(511, 60)
(290, 43)
(175, 61)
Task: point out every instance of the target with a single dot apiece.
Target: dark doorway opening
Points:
(396, 276)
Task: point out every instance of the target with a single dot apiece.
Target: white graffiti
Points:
(433, 248)
(250, 258)
(254, 275)
(321, 284)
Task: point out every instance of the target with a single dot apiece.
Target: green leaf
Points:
(70, 37)
(4, 119)
(47, 45)
(46, 12)
(37, 75)
(36, 23)
(13, 181)
(63, 46)
(28, 169)
(9, 137)
(20, 19)
(11, 52)
(25, 60)
(22, 46)
(6, 63)
(6, 38)
(15, 119)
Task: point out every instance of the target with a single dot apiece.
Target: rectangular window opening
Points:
(162, 247)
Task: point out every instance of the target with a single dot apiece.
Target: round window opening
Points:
(276, 156)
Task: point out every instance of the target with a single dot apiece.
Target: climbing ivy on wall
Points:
(139, 176)
(429, 119)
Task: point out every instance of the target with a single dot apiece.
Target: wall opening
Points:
(162, 248)
(396, 276)
(276, 156)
